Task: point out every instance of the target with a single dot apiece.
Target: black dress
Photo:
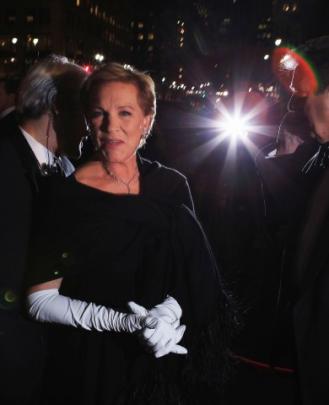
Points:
(111, 249)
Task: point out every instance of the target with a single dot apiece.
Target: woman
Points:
(129, 232)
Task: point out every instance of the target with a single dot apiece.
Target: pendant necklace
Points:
(117, 179)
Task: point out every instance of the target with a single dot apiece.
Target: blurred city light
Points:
(14, 40)
(35, 41)
(99, 57)
(87, 68)
(278, 42)
(266, 57)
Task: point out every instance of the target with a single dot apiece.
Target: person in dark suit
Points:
(309, 280)
(8, 91)
(282, 349)
(47, 109)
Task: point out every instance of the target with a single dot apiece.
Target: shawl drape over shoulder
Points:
(112, 249)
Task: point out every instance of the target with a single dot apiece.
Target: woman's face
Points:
(117, 121)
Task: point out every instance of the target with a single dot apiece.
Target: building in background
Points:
(86, 31)
(287, 21)
(194, 48)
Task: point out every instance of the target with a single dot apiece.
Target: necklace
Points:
(119, 180)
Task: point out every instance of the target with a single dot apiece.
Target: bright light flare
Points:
(235, 126)
(288, 62)
(242, 115)
(294, 72)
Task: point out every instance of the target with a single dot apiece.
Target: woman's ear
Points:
(147, 124)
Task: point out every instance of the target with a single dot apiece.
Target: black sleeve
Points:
(15, 205)
(50, 249)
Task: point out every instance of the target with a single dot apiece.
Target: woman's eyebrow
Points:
(126, 106)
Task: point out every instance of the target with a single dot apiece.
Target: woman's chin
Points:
(116, 156)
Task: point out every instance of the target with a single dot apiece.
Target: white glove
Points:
(50, 306)
(169, 310)
(162, 332)
(162, 338)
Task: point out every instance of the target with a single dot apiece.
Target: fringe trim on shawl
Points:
(207, 368)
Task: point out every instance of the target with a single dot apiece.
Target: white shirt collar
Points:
(45, 156)
(6, 112)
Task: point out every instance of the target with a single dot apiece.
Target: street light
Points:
(266, 57)
(278, 42)
(35, 41)
(14, 40)
(99, 57)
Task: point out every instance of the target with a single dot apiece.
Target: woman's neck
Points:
(123, 170)
(124, 175)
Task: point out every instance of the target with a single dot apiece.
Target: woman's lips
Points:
(113, 142)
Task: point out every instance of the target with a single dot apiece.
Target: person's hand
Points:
(169, 310)
(162, 338)
(162, 332)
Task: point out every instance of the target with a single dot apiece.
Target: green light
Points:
(9, 296)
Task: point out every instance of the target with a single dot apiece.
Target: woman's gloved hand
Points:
(162, 331)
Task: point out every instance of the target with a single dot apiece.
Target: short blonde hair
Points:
(115, 72)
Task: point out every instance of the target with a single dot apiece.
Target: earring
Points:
(143, 138)
(88, 130)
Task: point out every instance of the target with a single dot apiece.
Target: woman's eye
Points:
(125, 113)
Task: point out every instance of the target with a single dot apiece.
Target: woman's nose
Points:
(109, 123)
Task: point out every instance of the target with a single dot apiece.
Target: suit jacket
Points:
(21, 340)
(311, 308)
(8, 123)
